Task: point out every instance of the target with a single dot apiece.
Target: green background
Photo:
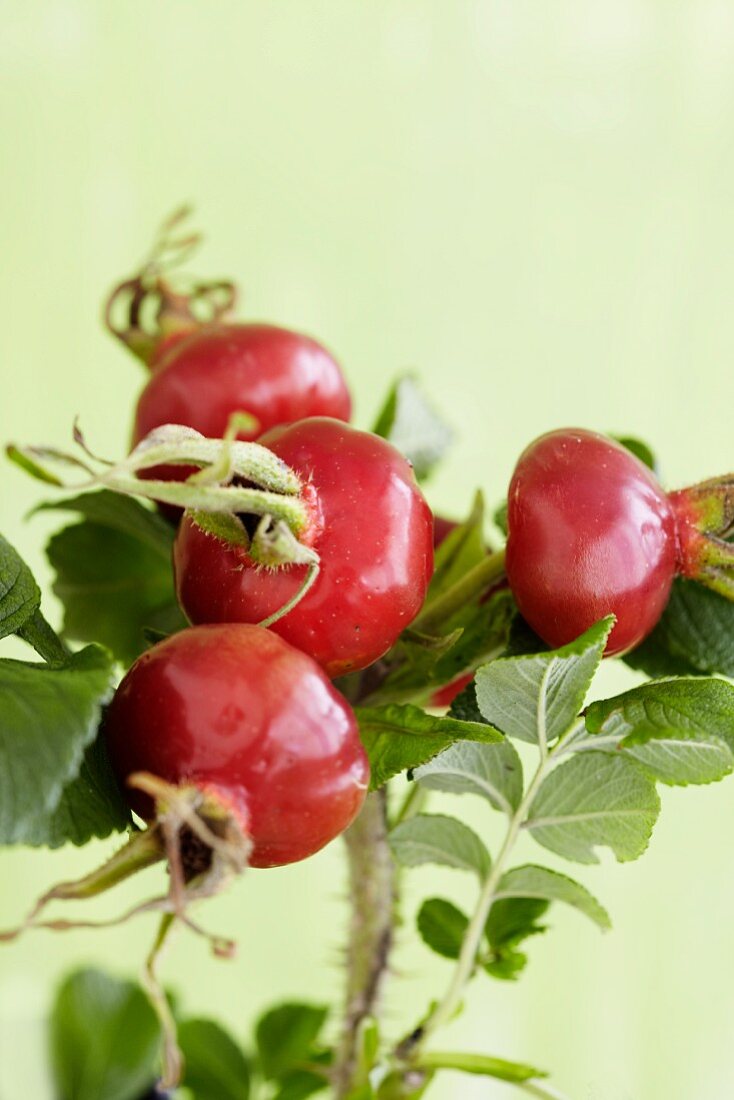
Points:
(530, 203)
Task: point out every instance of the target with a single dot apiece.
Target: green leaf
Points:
(695, 635)
(595, 800)
(409, 422)
(513, 919)
(680, 730)
(493, 772)
(399, 737)
(285, 1036)
(638, 448)
(537, 698)
(20, 596)
(474, 635)
(48, 719)
(499, 518)
(680, 762)
(436, 838)
(442, 927)
(368, 1044)
(299, 1084)
(510, 922)
(394, 1087)
(90, 806)
(531, 881)
(700, 706)
(104, 1039)
(460, 551)
(485, 628)
(215, 1067)
(481, 1064)
(114, 575)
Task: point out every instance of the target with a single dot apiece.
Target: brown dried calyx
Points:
(204, 842)
(149, 310)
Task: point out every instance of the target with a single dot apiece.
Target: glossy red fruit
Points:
(236, 709)
(591, 533)
(374, 536)
(277, 376)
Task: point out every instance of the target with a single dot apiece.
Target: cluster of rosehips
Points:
(249, 715)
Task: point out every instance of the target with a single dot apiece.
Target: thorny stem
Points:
(372, 874)
(372, 891)
(486, 573)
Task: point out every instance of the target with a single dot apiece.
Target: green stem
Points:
(412, 804)
(484, 575)
(172, 1057)
(43, 638)
(449, 1003)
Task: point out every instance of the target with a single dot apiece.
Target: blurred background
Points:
(528, 203)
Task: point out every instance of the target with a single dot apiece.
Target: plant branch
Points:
(451, 1000)
(372, 892)
(408, 1050)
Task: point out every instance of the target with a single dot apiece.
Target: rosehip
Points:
(237, 711)
(276, 375)
(373, 532)
(591, 533)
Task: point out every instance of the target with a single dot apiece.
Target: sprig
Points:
(593, 784)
